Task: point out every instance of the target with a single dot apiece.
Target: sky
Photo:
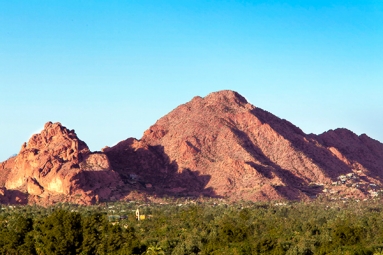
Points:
(111, 69)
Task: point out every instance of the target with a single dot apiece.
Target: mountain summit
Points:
(223, 146)
(216, 146)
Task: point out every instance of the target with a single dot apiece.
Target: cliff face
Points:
(217, 146)
(57, 166)
(223, 146)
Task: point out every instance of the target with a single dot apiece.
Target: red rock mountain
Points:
(57, 166)
(217, 146)
(223, 146)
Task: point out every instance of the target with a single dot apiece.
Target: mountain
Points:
(223, 146)
(217, 146)
(56, 166)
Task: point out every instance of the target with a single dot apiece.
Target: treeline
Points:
(195, 228)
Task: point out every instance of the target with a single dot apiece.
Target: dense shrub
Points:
(213, 227)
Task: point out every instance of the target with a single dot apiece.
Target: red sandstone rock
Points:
(55, 163)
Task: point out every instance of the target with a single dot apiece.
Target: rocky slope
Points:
(56, 166)
(223, 146)
(216, 146)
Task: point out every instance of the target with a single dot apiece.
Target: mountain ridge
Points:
(222, 146)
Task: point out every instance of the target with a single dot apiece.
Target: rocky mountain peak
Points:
(221, 145)
(57, 141)
(55, 163)
(226, 96)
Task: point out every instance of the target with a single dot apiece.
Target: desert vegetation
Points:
(195, 227)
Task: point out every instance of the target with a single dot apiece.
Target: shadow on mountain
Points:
(307, 145)
(14, 197)
(362, 149)
(294, 183)
(149, 170)
(98, 182)
(268, 168)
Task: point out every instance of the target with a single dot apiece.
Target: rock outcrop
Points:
(56, 166)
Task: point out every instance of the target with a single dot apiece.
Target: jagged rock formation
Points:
(217, 146)
(223, 146)
(56, 166)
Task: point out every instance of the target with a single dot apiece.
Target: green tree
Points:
(17, 237)
(60, 233)
(92, 228)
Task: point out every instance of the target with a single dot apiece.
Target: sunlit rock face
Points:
(51, 166)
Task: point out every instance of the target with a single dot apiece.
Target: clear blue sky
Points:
(110, 69)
